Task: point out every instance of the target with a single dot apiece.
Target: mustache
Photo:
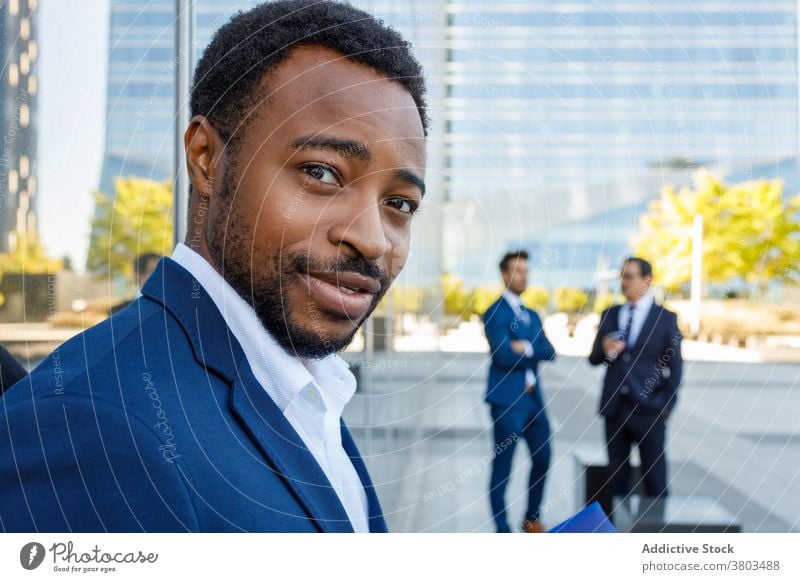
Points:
(305, 262)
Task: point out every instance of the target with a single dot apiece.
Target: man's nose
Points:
(363, 229)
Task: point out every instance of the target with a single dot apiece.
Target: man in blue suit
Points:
(640, 344)
(517, 344)
(213, 402)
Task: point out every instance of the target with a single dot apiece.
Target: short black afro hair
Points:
(254, 42)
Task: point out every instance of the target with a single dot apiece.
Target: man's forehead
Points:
(517, 264)
(318, 83)
(631, 267)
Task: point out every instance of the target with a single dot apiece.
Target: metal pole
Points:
(697, 273)
(183, 80)
(389, 324)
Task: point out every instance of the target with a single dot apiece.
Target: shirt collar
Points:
(643, 305)
(513, 299)
(281, 374)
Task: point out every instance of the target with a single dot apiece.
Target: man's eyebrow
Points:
(411, 178)
(348, 147)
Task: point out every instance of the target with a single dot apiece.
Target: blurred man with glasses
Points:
(640, 344)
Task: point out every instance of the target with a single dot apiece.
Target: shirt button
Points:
(623, 389)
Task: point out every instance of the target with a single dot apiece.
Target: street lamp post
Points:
(183, 79)
(697, 274)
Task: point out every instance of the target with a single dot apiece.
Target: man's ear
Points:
(203, 147)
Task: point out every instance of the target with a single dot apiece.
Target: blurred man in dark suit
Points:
(640, 344)
(517, 344)
(143, 266)
(11, 371)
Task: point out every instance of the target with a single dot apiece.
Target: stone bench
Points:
(672, 514)
(591, 483)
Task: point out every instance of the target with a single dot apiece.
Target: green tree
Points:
(481, 298)
(28, 256)
(570, 300)
(603, 301)
(535, 298)
(750, 232)
(769, 227)
(404, 298)
(455, 296)
(137, 219)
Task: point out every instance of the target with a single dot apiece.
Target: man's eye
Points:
(322, 173)
(404, 205)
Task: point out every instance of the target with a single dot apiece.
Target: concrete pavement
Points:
(420, 421)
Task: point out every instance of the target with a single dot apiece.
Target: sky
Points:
(73, 44)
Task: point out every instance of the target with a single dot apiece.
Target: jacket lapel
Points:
(612, 320)
(213, 344)
(648, 327)
(520, 328)
(215, 347)
(377, 523)
(527, 324)
(275, 437)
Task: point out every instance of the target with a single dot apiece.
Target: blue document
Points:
(590, 519)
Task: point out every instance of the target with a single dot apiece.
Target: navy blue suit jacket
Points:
(649, 371)
(507, 371)
(154, 421)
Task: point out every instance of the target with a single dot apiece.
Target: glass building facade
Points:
(19, 52)
(553, 123)
(565, 118)
(140, 105)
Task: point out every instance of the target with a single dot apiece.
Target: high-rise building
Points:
(565, 118)
(142, 65)
(554, 123)
(18, 96)
(140, 105)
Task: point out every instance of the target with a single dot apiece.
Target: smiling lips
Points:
(347, 293)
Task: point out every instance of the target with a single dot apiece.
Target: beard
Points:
(266, 287)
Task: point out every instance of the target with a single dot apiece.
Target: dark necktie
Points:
(626, 332)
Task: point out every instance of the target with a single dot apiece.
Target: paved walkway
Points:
(420, 422)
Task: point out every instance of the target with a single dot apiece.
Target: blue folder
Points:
(590, 519)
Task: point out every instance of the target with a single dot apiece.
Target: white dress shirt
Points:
(643, 307)
(516, 304)
(311, 393)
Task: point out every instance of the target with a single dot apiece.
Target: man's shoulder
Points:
(665, 316)
(494, 307)
(663, 312)
(666, 310)
(99, 361)
(610, 311)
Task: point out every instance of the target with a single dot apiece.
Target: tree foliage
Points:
(481, 298)
(570, 300)
(29, 256)
(751, 232)
(468, 302)
(455, 296)
(137, 219)
(536, 298)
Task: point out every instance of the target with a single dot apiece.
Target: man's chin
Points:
(319, 339)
